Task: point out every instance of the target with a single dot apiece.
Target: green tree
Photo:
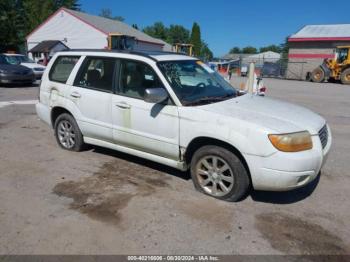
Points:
(177, 34)
(273, 48)
(235, 50)
(249, 50)
(195, 39)
(157, 30)
(71, 4)
(285, 50)
(206, 53)
(107, 13)
(11, 25)
(19, 17)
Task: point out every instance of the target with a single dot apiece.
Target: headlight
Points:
(293, 142)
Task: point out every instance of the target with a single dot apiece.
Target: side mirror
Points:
(155, 95)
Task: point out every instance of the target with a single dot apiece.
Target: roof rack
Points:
(148, 54)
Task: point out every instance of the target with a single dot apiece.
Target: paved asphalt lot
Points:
(104, 202)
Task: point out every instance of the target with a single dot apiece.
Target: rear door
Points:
(91, 95)
(148, 127)
(54, 88)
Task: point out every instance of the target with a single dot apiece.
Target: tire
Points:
(318, 75)
(345, 77)
(68, 134)
(205, 175)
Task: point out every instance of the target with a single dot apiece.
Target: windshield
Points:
(12, 60)
(3, 60)
(195, 83)
(342, 55)
(19, 59)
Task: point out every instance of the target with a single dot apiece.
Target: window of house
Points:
(62, 68)
(97, 73)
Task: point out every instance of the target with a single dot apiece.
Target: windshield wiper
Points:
(208, 99)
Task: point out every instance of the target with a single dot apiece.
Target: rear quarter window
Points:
(62, 68)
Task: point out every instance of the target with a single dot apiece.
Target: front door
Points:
(148, 127)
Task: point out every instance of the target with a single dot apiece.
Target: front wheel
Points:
(68, 134)
(219, 173)
(318, 75)
(345, 77)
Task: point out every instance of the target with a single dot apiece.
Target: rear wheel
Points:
(68, 134)
(317, 75)
(345, 77)
(219, 173)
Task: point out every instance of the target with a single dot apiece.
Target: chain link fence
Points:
(298, 69)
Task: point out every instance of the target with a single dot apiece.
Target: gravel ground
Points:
(104, 202)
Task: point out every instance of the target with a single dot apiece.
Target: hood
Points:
(33, 65)
(276, 116)
(14, 68)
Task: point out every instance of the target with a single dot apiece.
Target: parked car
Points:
(244, 70)
(27, 62)
(14, 73)
(175, 110)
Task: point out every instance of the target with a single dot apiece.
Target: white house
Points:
(78, 30)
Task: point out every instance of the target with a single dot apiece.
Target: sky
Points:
(225, 24)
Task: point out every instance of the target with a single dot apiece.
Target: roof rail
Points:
(148, 54)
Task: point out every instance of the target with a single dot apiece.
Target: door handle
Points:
(123, 105)
(75, 95)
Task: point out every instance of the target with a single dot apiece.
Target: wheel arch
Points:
(199, 142)
(56, 112)
(345, 67)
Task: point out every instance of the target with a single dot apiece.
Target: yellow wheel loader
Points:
(186, 49)
(334, 69)
(118, 41)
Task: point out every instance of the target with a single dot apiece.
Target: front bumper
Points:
(13, 78)
(38, 74)
(285, 171)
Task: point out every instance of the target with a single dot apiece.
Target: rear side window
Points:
(62, 68)
(97, 73)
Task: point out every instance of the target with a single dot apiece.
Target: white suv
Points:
(175, 110)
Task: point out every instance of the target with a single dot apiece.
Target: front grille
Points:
(24, 72)
(323, 134)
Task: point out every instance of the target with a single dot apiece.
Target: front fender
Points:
(246, 137)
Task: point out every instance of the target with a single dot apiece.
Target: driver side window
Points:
(135, 78)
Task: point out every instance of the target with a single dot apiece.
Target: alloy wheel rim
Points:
(66, 134)
(214, 175)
